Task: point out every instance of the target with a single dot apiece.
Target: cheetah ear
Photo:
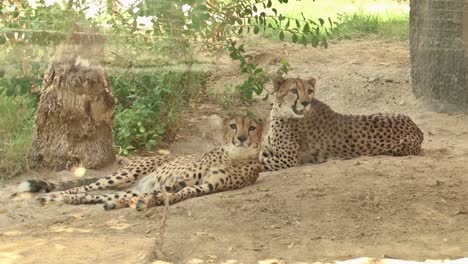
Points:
(312, 81)
(277, 82)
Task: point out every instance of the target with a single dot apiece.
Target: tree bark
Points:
(439, 52)
(73, 122)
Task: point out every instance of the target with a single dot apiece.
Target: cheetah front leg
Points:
(171, 185)
(215, 181)
(272, 161)
(84, 198)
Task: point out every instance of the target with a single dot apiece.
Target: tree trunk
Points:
(439, 52)
(74, 118)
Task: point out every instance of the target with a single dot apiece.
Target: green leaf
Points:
(294, 38)
(321, 21)
(315, 41)
(281, 35)
(255, 8)
(275, 11)
(287, 24)
(304, 40)
(325, 43)
(240, 30)
(298, 24)
(256, 30)
(306, 28)
(269, 4)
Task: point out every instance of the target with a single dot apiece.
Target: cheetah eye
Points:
(233, 126)
(310, 91)
(252, 128)
(294, 91)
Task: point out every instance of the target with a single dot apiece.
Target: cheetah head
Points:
(293, 97)
(242, 137)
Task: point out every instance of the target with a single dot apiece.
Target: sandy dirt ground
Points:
(396, 207)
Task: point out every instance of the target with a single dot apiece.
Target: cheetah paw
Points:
(109, 206)
(140, 205)
(45, 199)
(41, 200)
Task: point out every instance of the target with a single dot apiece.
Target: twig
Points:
(157, 253)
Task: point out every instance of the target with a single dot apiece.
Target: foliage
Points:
(15, 133)
(218, 23)
(146, 106)
(387, 19)
(358, 25)
(256, 77)
(149, 66)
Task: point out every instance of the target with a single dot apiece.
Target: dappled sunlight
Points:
(9, 257)
(79, 171)
(68, 229)
(332, 9)
(12, 233)
(118, 224)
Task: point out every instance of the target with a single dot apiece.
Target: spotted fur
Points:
(233, 165)
(305, 130)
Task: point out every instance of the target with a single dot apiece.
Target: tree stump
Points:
(73, 121)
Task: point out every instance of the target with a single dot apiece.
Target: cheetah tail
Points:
(45, 186)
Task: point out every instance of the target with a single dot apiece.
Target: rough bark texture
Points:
(76, 108)
(439, 52)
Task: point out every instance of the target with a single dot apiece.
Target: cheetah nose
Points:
(242, 138)
(305, 103)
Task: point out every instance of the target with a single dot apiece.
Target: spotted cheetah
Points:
(306, 130)
(232, 166)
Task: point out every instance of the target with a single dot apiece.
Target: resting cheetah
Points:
(303, 129)
(232, 166)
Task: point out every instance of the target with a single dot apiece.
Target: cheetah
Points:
(232, 166)
(306, 130)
